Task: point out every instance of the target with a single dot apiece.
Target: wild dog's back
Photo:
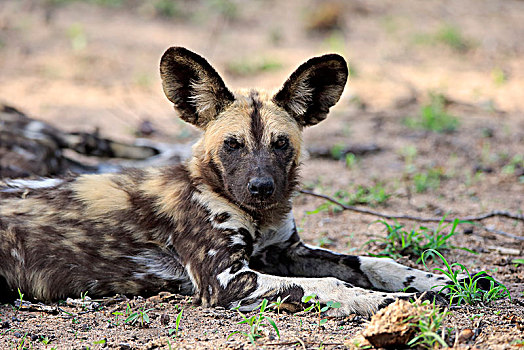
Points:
(98, 233)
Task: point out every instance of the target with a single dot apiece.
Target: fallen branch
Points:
(303, 343)
(422, 219)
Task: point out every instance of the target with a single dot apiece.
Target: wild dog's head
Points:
(251, 147)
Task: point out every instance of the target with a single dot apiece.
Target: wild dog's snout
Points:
(261, 187)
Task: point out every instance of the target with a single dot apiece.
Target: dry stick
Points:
(421, 219)
(303, 343)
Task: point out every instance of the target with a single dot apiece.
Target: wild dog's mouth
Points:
(256, 195)
(257, 204)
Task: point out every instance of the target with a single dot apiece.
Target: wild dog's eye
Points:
(281, 144)
(233, 143)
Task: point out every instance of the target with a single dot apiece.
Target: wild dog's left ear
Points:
(195, 88)
(313, 88)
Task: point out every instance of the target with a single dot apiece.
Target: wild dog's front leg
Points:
(224, 278)
(246, 289)
(294, 258)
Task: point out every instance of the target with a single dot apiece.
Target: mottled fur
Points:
(33, 147)
(219, 226)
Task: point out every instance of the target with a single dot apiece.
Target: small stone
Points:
(124, 346)
(465, 335)
(164, 319)
(468, 230)
(35, 337)
(17, 334)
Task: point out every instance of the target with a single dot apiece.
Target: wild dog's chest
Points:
(274, 235)
(236, 224)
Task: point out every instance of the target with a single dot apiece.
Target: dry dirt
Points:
(81, 66)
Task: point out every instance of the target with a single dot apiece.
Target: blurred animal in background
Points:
(30, 147)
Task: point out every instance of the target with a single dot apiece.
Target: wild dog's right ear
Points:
(194, 87)
(313, 88)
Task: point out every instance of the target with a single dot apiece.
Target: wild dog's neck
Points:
(207, 175)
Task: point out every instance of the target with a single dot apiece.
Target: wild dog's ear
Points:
(313, 88)
(194, 87)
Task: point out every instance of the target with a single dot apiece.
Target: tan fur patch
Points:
(167, 194)
(100, 194)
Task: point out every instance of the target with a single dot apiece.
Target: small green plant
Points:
(351, 160)
(21, 298)
(256, 323)
(21, 345)
(245, 67)
(427, 324)
(317, 306)
(434, 117)
(467, 289)
(117, 315)
(177, 324)
(517, 262)
(228, 9)
(324, 241)
(77, 37)
(413, 243)
(100, 342)
(448, 35)
(337, 151)
(429, 179)
(139, 316)
(515, 163)
(167, 8)
(278, 303)
(498, 76)
(453, 37)
(372, 196)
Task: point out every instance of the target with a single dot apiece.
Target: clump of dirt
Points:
(394, 325)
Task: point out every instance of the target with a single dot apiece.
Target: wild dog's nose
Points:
(261, 186)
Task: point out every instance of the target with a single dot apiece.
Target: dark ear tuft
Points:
(194, 87)
(313, 88)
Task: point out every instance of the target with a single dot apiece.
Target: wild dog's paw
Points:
(365, 302)
(431, 296)
(482, 281)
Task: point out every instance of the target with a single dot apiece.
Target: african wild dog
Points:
(219, 226)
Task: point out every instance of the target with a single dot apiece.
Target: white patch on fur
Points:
(237, 239)
(226, 276)
(386, 274)
(33, 184)
(16, 254)
(34, 130)
(196, 287)
(313, 247)
(159, 267)
(212, 252)
(202, 98)
(301, 99)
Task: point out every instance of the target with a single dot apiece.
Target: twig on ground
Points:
(422, 219)
(303, 343)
